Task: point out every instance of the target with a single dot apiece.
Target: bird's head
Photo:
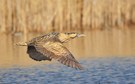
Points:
(64, 37)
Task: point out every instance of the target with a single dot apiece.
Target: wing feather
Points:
(34, 54)
(57, 51)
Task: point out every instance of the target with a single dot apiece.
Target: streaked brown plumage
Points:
(50, 46)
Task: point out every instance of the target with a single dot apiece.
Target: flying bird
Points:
(50, 46)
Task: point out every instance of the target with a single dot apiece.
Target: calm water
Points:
(97, 71)
(108, 57)
(117, 43)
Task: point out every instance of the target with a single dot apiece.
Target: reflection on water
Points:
(105, 43)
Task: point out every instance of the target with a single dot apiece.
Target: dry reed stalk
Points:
(65, 15)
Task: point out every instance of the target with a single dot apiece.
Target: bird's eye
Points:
(68, 33)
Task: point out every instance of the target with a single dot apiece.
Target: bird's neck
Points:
(64, 38)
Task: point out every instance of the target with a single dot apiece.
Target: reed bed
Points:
(65, 15)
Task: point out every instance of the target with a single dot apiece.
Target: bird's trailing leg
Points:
(21, 44)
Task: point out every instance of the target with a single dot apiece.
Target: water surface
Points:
(108, 57)
(97, 71)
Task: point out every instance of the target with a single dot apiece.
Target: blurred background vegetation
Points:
(65, 15)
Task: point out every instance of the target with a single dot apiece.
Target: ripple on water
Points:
(99, 71)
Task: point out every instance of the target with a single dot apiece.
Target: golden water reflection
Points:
(106, 43)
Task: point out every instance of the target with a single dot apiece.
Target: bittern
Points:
(50, 46)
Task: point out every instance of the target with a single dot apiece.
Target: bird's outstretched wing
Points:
(55, 50)
(34, 54)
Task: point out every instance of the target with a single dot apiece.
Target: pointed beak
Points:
(81, 35)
